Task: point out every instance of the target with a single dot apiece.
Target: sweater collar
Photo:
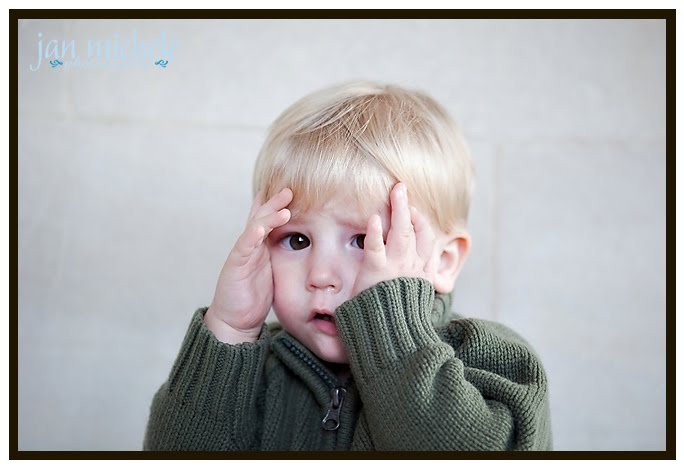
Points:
(441, 309)
(310, 369)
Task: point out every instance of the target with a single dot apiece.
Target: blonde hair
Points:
(362, 138)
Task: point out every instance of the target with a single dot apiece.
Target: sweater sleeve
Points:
(209, 401)
(478, 386)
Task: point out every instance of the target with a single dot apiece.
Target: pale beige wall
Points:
(134, 182)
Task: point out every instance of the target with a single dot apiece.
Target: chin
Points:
(341, 359)
(332, 353)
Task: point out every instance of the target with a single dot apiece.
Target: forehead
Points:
(343, 208)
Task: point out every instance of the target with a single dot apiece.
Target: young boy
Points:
(355, 239)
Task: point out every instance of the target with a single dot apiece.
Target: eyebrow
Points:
(354, 223)
(349, 222)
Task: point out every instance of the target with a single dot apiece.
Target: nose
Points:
(324, 273)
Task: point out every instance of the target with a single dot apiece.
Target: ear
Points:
(454, 249)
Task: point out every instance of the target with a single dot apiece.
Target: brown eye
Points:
(297, 241)
(358, 240)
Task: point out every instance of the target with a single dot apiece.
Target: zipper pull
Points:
(331, 421)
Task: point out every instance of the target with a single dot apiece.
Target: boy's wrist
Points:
(225, 333)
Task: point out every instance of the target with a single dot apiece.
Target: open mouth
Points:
(324, 321)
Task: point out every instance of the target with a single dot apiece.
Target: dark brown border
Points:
(668, 15)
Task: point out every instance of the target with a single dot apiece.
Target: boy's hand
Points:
(410, 248)
(244, 292)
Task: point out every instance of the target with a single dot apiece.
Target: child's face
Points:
(315, 259)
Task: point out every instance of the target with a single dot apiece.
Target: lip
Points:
(327, 327)
(329, 312)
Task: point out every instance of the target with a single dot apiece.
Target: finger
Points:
(246, 244)
(425, 239)
(255, 233)
(373, 244)
(273, 220)
(256, 203)
(277, 202)
(401, 235)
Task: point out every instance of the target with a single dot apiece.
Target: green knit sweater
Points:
(422, 379)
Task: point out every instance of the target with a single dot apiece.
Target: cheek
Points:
(284, 294)
(285, 271)
(353, 266)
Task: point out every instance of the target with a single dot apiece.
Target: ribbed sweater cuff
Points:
(207, 370)
(386, 323)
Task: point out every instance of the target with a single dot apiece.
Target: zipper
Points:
(331, 419)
